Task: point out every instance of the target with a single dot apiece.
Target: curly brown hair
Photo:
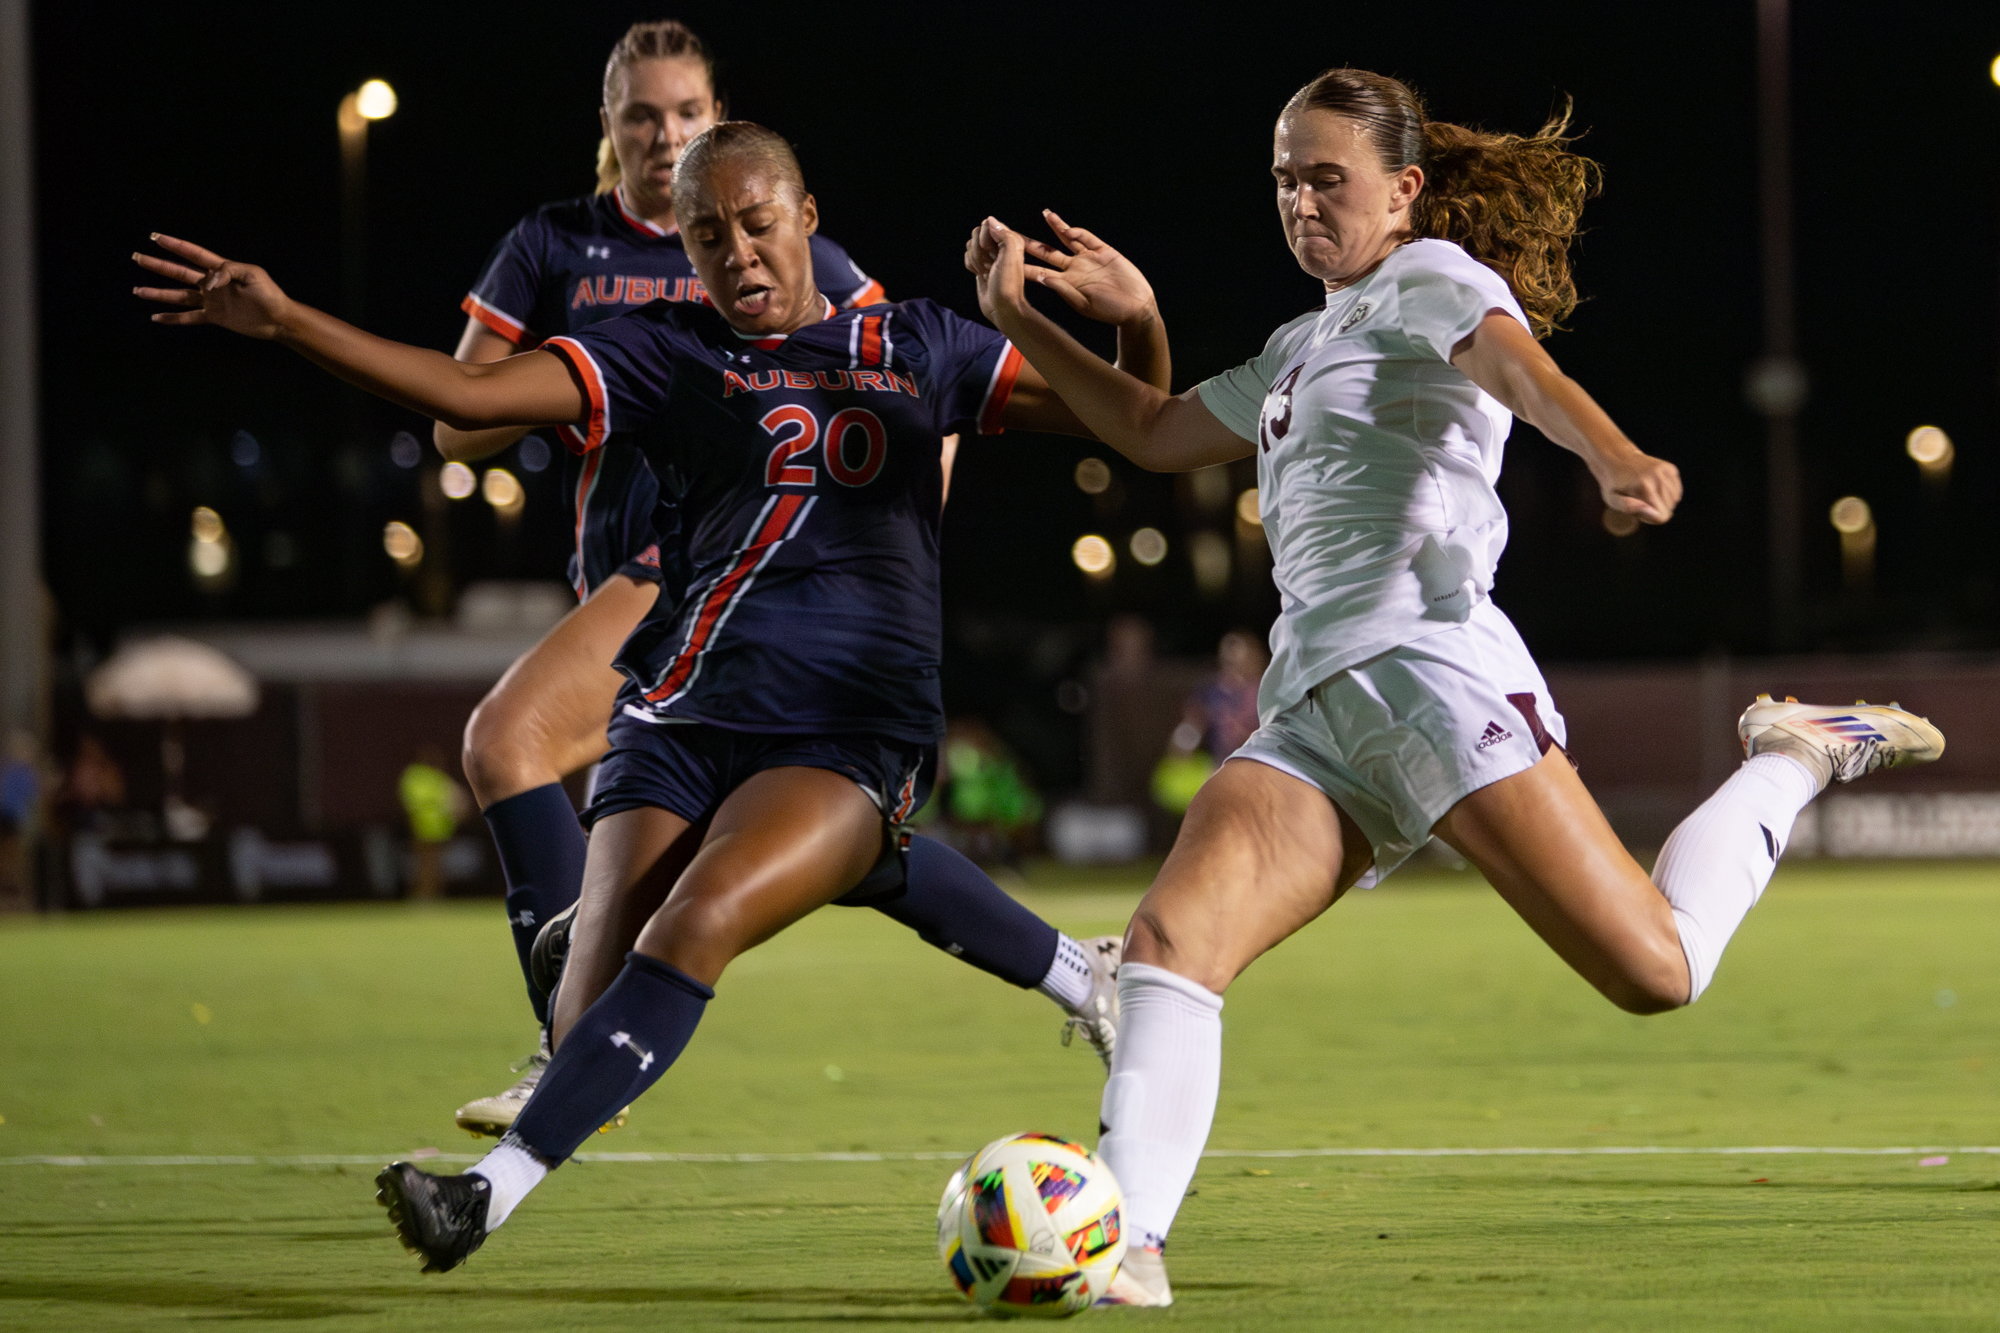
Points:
(1513, 201)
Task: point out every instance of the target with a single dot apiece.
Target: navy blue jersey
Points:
(570, 265)
(807, 472)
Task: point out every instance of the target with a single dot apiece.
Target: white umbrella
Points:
(171, 677)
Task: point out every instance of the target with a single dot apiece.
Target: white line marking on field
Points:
(1649, 1150)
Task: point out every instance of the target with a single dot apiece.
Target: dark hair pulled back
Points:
(1512, 201)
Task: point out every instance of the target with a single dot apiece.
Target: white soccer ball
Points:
(1030, 1225)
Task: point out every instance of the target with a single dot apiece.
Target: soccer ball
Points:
(1029, 1225)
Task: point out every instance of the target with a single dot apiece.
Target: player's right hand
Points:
(996, 256)
(238, 297)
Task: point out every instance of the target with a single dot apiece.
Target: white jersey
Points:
(1376, 464)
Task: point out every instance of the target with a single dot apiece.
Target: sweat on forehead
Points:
(734, 141)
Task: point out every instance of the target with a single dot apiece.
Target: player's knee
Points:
(1657, 986)
(1152, 939)
(700, 935)
(500, 753)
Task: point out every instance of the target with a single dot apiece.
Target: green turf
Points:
(1858, 1008)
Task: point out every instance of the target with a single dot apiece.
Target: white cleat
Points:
(494, 1116)
(1140, 1280)
(1850, 742)
(1097, 1017)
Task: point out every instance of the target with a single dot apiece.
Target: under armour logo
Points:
(625, 1039)
(1493, 735)
(526, 918)
(597, 251)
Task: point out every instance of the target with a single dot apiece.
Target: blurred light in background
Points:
(211, 554)
(502, 491)
(1619, 523)
(375, 100)
(243, 450)
(1210, 487)
(1933, 450)
(1855, 523)
(1094, 556)
(1093, 476)
(1148, 546)
(403, 544)
(1246, 508)
(457, 481)
(1994, 69)
(1208, 552)
(534, 454)
(404, 451)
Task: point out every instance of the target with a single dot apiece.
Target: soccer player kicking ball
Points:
(567, 267)
(772, 739)
(1401, 704)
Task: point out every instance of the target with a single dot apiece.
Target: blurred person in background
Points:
(93, 786)
(20, 796)
(994, 810)
(1218, 718)
(434, 804)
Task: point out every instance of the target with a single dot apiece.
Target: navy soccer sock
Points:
(953, 904)
(541, 849)
(617, 1050)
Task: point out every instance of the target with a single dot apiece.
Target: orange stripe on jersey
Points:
(513, 330)
(873, 294)
(597, 421)
(871, 340)
(724, 591)
(1000, 391)
(586, 483)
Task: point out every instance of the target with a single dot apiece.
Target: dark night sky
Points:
(1149, 124)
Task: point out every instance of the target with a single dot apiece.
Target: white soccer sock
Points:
(1068, 981)
(512, 1171)
(1160, 1100)
(1715, 866)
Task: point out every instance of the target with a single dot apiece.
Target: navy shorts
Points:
(688, 768)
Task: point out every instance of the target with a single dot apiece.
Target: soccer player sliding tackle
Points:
(1400, 704)
(771, 740)
(564, 268)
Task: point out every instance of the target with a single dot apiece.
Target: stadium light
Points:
(1933, 451)
(1246, 508)
(1209, 554)
(1093, 476)
(375, 100)
(1148, 546)
(1855, 522)
(457, 481)
(1994, 69)
(1094, 556)
(211, 552)
(403, 544)
(503, 492)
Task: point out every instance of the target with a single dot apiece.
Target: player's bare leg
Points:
(1541, 841)
(544, 719)
(1260, 855)
(784, 843)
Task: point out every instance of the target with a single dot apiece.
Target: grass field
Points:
(1860, 1008)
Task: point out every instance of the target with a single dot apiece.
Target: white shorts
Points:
(1398, 740)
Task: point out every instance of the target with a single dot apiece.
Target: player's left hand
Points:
(1645, 487)
(1095, 279)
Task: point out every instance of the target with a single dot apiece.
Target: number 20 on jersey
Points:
(854, 450)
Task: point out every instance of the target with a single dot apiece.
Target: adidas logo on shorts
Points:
(1493, 735)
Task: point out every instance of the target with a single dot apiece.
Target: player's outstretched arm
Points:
(1504, 359)
(1132, 413)
(524, 390)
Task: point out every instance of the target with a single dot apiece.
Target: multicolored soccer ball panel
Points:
(1029, 1225)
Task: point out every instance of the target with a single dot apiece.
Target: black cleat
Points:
(442, 1218)
(551, 950)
